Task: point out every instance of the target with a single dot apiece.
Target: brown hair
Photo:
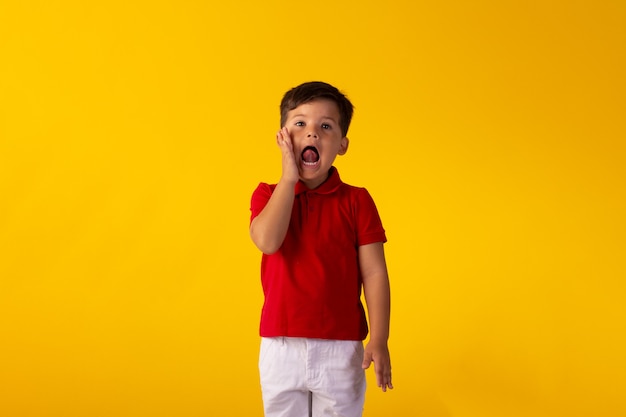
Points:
(310, 91)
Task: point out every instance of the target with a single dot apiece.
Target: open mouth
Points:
(310, 156)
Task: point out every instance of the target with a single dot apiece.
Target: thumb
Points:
(367, 360)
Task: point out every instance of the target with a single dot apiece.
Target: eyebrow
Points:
(304, 115)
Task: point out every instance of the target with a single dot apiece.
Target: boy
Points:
(321, 241)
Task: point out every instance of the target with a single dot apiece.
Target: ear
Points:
(344, 145)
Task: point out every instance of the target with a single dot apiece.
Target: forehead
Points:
(319, 107)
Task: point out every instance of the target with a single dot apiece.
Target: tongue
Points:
(309, 155)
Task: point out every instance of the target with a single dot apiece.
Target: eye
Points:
(299, 123)
(325, 126)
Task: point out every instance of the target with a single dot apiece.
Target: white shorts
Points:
(300, 375)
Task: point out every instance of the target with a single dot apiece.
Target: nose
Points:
(312, 134)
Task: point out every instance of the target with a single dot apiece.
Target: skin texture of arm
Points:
(378, 300)
(269, 228)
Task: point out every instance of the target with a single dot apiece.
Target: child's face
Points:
(317, 139)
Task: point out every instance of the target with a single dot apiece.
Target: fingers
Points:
(382, 364)
(284, 141)
(283, 138)
(383, 375)
(382, 368)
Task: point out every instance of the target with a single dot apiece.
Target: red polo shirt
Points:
(312, 284)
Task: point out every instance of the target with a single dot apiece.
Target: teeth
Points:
(309, 163)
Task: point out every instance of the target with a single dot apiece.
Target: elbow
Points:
(267, 249)
(267, 246)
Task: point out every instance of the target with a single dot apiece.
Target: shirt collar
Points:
(331, 184)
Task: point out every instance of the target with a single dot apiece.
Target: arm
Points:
(269, 228)
(378, 300)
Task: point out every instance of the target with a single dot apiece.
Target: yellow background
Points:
(490, 133)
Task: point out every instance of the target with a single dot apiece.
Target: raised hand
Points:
(290, 167)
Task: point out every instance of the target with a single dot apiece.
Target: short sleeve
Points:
(260, 197)
(369, 225)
